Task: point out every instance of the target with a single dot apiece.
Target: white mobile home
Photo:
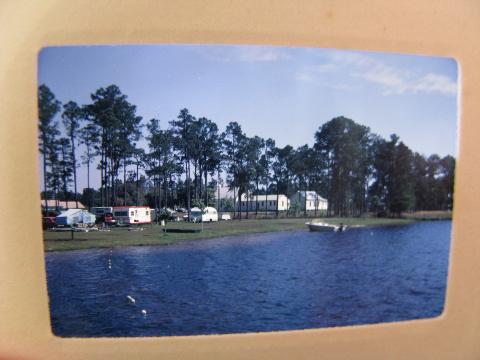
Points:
(132, 214)
(313, 201)
(75, 216)
(265, 203)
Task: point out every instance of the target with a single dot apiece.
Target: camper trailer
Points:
(132, 215)
(209, 214)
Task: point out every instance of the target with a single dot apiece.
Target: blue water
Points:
(260, 282)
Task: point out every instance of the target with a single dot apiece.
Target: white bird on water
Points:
(131, 299)
(144, 312)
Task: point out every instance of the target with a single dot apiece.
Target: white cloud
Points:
(304, 76)
(323, 68)
(313, 75)
(345, 57)
(260, 54)
(339, 86)
(435, 83)
(395, 80)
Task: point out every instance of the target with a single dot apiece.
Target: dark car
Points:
(106, 218)
(48, 222)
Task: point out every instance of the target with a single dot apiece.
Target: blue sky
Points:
(279, 92)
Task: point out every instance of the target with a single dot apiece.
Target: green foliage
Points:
(72, 117)
(343, 147)
(393, 190)
(434, 182)
(162, 163)
(119, 129)
(238, 158)
(48, 107)
(199, 204)
(226, 205)
(353, 168)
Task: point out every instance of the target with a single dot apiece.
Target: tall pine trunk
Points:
(124, 182)
(45, 176)
(234, 203)
(64, 176)
(218, 191)
(266, 200)
(74, 163)
(112, 180)
(305, 213)
(240, 204)
(247, 203)
(137, 187)
(206, 187)
(256, 201)
(88, 169)
(276, 207)
(195, 180)
(165, 191)
(102, 177)
(187, 175)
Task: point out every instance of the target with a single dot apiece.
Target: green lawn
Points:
(153, 235)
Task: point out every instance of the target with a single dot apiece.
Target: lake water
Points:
(259, 282)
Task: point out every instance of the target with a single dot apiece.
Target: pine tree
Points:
(72, 117)
(48, 107)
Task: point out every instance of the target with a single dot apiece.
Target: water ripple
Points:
(260, 282)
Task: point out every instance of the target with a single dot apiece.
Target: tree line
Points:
(185, 162)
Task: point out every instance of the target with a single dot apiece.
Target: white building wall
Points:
(314, 201)
(265, 203)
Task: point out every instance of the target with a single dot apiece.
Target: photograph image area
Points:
(207, 189)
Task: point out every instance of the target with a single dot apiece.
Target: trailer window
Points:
(121, 213)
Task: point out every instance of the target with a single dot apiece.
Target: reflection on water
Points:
(259, 282)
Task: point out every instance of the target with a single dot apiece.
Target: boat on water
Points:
(325, 227)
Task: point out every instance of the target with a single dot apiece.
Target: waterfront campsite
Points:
(228, 189)
(154, 234)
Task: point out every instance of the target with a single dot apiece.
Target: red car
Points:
(108, 219)
(48, 222)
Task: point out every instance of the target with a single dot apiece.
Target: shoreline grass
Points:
(152, 235)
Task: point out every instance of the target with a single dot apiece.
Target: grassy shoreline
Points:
(152, 235)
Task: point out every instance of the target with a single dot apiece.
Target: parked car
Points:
(109, 219)
(106, 218)
(166, 214)
(226, 217)
(48, 222)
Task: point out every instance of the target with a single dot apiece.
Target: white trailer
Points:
(209, 214)
(132, 215)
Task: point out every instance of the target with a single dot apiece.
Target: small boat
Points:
(325, 227)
